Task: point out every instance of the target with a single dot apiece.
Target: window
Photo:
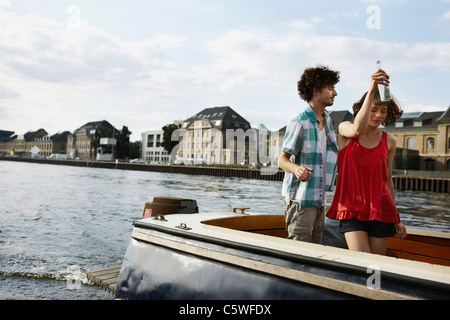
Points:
(430, 143)
(411, 143)
(399, 124)
(430, 165)
(150, 138)
(417, 123)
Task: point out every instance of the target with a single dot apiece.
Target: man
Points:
(309, 156)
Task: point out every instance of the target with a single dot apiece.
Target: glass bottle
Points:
(385, 92)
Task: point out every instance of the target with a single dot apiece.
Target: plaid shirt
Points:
(302, 142)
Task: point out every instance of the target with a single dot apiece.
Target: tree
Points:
(167, 142)
(135, 149)
(100, 132)
(123, 143)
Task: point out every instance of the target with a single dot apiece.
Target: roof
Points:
(445, 116)
(92, 128)
(416, 121)
(34, 134)
(5, 135)
(340, 116)
(220, 118)
(60, 136)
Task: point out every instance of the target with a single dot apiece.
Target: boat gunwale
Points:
(297, 257)
(308, 278)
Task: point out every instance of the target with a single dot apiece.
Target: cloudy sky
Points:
(144, 64)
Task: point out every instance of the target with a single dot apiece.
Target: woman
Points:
(364, 197)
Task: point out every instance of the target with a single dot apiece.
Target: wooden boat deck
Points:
(419, 245)
(105, 278)
(423, 246)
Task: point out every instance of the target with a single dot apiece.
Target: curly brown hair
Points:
(318, 78)
(393, 109)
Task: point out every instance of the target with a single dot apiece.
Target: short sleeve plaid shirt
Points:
(302, 142)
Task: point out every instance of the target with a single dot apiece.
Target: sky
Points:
(143, 64)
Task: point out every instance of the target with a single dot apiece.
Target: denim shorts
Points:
(373, 228)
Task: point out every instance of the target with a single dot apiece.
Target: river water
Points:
(56, 222)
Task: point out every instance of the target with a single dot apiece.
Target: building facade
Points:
(428, 133)
(48, 144)
(21, 145)
(84, 143)
(152, 151)
(217, 135)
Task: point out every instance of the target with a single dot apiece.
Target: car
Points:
(137, 160)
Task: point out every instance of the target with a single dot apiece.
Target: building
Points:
(152, 152)
(48, 144)
(21, 145)
(85, 143)
(217, 135)
(5, 135)
(34, 143)
(429, 134)
(220, 135)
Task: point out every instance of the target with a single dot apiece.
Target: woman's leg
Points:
(358, 241)
(378, 245)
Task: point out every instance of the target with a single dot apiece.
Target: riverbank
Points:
(401, 182)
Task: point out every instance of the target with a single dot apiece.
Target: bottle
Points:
(385, 92)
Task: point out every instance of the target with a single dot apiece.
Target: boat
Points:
(236, 255)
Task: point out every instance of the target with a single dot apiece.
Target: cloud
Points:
(6, 93)
(259, 55)
(86, 73)
(5, 3)
(44, 49)
(74, 72)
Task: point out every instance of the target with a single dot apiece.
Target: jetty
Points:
(105, 278)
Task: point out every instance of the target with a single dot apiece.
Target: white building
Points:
(152, 152)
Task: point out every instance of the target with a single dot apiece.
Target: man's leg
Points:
(300, 221)
(318, 225)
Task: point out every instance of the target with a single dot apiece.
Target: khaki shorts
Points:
(304, 223)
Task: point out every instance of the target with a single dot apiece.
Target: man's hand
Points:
(303, 173)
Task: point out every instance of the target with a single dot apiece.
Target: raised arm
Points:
(350, 130)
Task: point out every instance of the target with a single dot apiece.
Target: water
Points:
(56, 222)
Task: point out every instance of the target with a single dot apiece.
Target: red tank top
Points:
(362, 190)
